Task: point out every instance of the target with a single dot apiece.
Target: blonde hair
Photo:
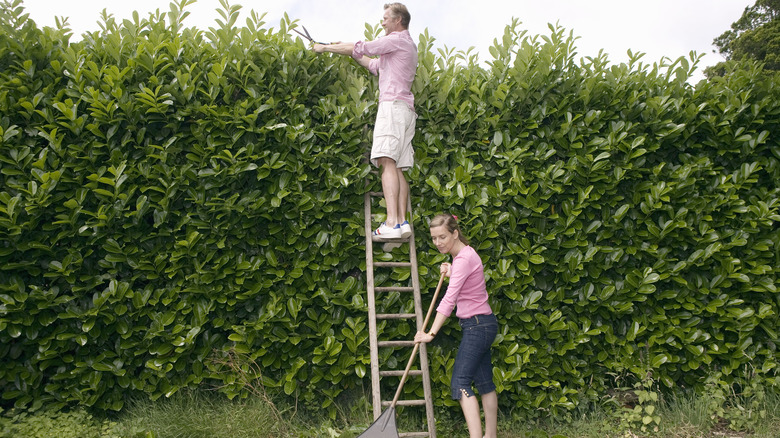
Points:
(451, 223)
(399, 10)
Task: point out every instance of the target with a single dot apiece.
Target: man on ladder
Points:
(392, 149)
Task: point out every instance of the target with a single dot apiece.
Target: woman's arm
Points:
(438, 323)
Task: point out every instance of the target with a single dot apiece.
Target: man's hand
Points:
(322, 48)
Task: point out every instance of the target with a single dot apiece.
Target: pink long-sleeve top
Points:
(396, 65)
(467, 288)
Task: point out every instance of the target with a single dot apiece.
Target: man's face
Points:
(390, 23)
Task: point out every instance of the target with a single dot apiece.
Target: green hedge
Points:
(182, 208)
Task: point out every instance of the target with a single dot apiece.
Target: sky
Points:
(658, 28)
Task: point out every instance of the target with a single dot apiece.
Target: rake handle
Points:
(417, 344)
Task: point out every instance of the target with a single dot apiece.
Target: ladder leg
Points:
(371, 301)
(426, 377)
(374, 343)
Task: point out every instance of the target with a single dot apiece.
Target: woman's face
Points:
(443, 238)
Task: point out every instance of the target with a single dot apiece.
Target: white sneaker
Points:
(406, 230)
(385, 232)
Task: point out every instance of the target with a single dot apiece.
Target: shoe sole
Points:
(384, 237)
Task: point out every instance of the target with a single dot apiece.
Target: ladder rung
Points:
(392, 264)
(399, 373)
(397, 346)
(394, 289)
(379, 239)
(395, 343)
(395, 315)
(404, 403)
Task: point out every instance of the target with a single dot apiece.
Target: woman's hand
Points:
(446, 268)
(422, 337)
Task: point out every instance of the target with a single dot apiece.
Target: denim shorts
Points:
(472, 363)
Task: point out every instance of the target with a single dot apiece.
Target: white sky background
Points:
(658, 28)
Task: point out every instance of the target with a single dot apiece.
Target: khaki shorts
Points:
(393, 134)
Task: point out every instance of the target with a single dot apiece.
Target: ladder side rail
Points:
(424, 366)
(371, 302)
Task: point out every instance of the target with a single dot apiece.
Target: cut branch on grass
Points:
(243, 372)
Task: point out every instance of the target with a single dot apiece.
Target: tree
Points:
(756, 35)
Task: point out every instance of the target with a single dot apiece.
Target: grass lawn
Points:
(210, 415)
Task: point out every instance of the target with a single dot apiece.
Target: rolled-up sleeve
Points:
(376, 47)
(447, 303)
(359, 51)
(460, 271)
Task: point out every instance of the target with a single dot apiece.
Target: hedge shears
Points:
(308, 37)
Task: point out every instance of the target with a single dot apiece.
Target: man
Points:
(392, 145)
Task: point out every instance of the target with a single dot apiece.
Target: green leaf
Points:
(659, 360)
(536, 259)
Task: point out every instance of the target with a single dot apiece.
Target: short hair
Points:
(399, 10)
(451, 223)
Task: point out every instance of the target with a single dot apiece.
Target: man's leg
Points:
(391, 186)
(403, 196)
(406, 161)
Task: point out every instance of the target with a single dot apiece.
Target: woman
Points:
(468, 293)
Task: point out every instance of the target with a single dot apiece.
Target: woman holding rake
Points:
(467, 292)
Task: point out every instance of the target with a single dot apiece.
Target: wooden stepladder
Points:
(398, 345)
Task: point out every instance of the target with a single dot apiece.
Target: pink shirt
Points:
(467, 287)
(396, 65)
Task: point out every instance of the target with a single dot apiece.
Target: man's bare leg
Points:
(403, 196)
(391, 186)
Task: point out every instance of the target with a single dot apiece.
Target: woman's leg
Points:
(466, 361)
(490, 405)
(470, 407)
(483, 379)
(462, 376)
(473, 365)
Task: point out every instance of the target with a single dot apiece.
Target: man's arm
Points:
(341, 49)
(338, 48)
